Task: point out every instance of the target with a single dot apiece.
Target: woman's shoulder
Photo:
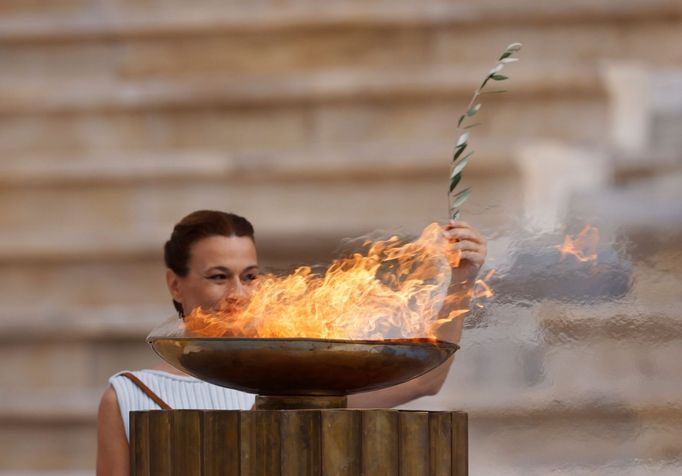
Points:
(108, 402)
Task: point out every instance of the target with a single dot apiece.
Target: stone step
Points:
(56, 449)
(83, 324)
(508, 118)
(73, 407)
(67, 20)
(653, 201)
(628, 467)
(35, 366)
(38, 96)
(370, 161)
(47, 472)
(600, 442)
(230, 56)
(106, 220)
(634, 168)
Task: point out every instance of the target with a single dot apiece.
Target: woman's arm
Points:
(112, 444)
(471, 246)
(423, 386)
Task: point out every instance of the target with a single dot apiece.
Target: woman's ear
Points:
(173, 283)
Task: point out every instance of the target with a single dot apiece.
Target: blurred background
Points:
(320, 121)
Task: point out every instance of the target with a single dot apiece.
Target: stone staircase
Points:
(119, 117)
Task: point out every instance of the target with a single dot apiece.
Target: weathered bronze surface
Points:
(275, 367)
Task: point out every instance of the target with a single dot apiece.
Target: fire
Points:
(393, 290)
(482, 289)
(583, 246)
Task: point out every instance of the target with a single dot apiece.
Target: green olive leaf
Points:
(496, 91)
(462, 139)
(465, 157)
(459, 151)
(498, 67)
(473, 110)
(454, 181)
(460, 198)
(461, 119)
(459, 166)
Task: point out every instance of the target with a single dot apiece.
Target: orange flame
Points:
(394, 290)
(482, 289)
(583, 247)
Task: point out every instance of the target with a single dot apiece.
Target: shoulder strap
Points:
(147, 391)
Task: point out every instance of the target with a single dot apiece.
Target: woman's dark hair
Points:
(194, 227)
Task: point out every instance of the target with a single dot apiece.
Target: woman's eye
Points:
(250, 277)
(217, 277)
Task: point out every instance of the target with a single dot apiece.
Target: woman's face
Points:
(219, 267)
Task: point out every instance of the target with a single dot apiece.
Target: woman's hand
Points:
(472, 245)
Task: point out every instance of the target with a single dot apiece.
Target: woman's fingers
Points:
(466, 240)
(468, 246)
(459, 224)
(462, 231)
(474, 257)
(473, 253)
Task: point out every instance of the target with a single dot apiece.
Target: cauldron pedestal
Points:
(298, 442)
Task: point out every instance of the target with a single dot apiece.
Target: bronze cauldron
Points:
(302, 372)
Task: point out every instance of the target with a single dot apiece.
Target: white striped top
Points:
(178, 391)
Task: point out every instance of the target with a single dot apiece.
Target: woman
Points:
(212, 255)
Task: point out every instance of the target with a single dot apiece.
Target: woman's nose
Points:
(239, 290)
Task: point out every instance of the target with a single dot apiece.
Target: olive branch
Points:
(460, 160)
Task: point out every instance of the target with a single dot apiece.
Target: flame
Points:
(583, 246)
(481, 288)
(393, 290)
